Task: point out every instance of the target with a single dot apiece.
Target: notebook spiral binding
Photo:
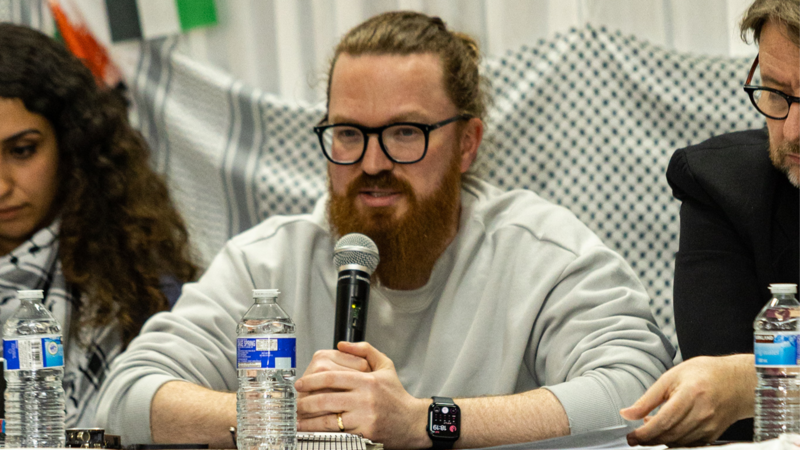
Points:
(334, 441)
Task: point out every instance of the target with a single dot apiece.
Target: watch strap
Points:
(442, 444)
(443, 401)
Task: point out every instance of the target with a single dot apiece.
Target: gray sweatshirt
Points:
(524, 297)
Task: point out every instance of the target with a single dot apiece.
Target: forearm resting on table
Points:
(182, 412)
(524, 417)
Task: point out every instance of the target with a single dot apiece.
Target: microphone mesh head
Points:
(355, 248)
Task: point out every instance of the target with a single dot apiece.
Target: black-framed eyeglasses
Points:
(401, 142)
(769, 102)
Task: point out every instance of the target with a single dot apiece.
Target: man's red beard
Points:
(410, 245)
(779, 154)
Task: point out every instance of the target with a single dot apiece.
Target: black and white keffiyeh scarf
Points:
(35, 265)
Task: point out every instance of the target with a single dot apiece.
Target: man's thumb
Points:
(646, 403)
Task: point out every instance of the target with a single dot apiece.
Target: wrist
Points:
(746, 379)
(418, 432)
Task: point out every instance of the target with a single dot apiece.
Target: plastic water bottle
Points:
(34, 367)
(776, 348)
(266, 404)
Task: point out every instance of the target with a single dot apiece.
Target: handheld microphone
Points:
(356, 257)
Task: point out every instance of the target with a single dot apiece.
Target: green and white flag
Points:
(147, 19)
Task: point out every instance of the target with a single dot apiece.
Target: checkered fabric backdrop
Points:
(588, 120)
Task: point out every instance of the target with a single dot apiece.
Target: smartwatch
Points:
(444, 422)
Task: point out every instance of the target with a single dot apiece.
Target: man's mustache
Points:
(789, 148)
(383, 180)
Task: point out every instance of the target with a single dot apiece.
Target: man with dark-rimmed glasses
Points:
(501, 301)
(739, 233)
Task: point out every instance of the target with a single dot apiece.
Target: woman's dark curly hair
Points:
(120, 235)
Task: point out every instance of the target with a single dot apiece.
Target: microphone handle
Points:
(352, 298)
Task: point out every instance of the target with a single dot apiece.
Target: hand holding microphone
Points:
(356, 258)
(344, 399)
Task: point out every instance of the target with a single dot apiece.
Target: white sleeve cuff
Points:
(587, 404)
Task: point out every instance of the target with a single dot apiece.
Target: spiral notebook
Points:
(334, 441)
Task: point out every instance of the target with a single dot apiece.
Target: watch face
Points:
(444, 422)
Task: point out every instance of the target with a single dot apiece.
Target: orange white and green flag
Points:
(147, 19)
(78, 38)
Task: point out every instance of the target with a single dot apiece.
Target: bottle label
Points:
(776, 349)
(266, 352)
(33, 353)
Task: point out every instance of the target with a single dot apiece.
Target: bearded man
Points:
(740, 232)
(499, 299)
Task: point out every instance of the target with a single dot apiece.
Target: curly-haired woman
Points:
(82, 214)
